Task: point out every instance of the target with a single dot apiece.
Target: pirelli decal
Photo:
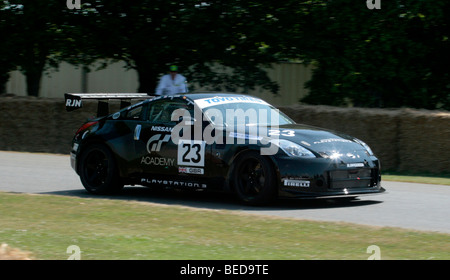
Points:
(296, 183)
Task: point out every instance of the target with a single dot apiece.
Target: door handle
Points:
(137, 132)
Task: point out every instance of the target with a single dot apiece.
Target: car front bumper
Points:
(325, 178)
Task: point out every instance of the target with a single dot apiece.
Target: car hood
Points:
(319, 140)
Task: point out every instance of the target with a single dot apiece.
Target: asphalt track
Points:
(422, 207)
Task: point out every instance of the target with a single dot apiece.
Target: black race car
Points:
(217, 142)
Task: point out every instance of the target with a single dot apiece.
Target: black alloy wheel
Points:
(254, 179)
(98, 171)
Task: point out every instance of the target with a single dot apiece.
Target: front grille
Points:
(352, 178)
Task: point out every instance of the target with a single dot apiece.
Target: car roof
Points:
(201, 95)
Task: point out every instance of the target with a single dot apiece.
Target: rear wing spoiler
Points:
(74, 101)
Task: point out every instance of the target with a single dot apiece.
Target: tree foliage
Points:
(389, 57)
(196, 35)
(34, 37)
(392, 57)
(6, 62)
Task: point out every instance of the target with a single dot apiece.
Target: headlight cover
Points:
(292, 149)
(368, 149)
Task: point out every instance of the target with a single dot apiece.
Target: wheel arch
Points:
(98, 141)
(240, 153)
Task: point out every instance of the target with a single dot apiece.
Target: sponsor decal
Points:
(160, 161)
(191, 170)
(207, 102)
(357, 164)
(296, 183)
(174, 183)
(73, 103)
(162, 128)
(331, 140)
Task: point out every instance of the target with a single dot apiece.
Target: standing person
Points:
(172, 83)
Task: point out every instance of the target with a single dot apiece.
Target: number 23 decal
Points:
(191, 153)
(286, 132)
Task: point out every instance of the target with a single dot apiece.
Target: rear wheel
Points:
(98, 171)
(254, 179)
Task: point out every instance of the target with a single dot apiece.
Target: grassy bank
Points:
(47, 225)
(440, 179)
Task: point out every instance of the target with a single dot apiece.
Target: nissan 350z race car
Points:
(217, 142)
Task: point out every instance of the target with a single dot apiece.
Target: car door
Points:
(156, 153)
(184, 162)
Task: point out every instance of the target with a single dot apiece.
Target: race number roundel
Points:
(191, 153)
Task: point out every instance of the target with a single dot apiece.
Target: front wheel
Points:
(254, 179)
(98, 171)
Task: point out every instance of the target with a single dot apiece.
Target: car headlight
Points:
(293, 149)
(368, 149)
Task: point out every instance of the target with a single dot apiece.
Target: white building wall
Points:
(116, 78)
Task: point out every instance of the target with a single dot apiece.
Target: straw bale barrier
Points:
(404, 139)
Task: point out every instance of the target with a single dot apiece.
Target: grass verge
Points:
(443, 179)
(47, 225)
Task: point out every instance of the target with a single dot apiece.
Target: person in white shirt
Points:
(172, 83)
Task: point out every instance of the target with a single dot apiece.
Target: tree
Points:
(32, 35)
(35, 37)
(6, 48)
(392, 57)
(149, 35)
(39, 37)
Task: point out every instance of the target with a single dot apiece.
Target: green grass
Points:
(46, 225)
(440, 179)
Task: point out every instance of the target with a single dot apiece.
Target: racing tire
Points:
(254, 179)
(98, 171)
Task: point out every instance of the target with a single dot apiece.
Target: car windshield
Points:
(248, 113)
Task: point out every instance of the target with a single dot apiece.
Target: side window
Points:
(161, 111)
(134, 114)
(155, 110)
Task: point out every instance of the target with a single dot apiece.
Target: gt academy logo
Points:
(155, 142)
(157, 161)
(154, 145)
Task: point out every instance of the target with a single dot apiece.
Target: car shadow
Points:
(215, 201)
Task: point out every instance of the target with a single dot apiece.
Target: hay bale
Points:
(424, 141)
(403, 139)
